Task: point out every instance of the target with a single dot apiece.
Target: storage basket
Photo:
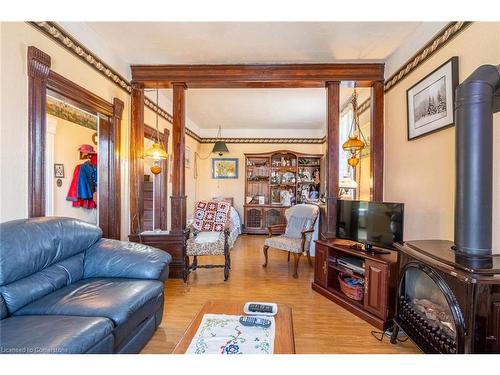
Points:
(354, 292)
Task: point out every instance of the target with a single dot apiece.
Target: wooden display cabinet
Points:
(274, 182)
(378, 304)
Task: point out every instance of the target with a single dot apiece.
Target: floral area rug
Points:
(224, 334)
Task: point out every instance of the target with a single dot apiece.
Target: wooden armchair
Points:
(212, 243)
(298, 234)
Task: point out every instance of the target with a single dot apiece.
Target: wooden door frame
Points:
(160, 195)
(42, 80)
(328, 76)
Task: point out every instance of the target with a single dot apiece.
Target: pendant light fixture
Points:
(354, 143)
(220, 146)
(156, 151)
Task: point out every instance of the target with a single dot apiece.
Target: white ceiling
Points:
(254, 42)
(287, 109)
(262, 110)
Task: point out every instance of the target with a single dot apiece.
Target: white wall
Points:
(421, 172)
(68, 137)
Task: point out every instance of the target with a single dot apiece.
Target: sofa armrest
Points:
(112, 258)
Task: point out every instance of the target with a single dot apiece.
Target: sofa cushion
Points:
(116, 299)
(4, 313)
(31, 288)
(53, 334)
(30, 245)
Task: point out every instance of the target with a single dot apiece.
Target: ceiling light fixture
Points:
(219, 146)
(354, 143)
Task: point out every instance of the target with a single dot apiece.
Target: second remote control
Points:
(254, 307)
(252, 321)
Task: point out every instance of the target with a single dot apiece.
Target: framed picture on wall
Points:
(223, 168)
(58, 170)
(431, 102)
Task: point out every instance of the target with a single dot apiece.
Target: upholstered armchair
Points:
(298, 235)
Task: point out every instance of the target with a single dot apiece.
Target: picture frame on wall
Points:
(224, 168)
(58, 170)
(431, 101)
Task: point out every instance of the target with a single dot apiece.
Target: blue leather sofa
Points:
(64, 289)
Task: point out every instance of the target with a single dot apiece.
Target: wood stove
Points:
(449, 292)
(445, 303)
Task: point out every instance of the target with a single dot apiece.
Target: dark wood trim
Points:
(136, 151)
(115, 168)
(178, 198)
(38, 72)
(74, 94)
(160, 180)
(377, 142)
(244, 76)
(43, 80)
(332, 156)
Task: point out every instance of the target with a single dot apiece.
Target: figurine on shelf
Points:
(286, 197)
(316, 177)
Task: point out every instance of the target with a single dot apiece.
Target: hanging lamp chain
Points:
(158, 107)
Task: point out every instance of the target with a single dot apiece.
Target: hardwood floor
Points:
(320, 325)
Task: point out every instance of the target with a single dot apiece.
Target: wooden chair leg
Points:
(265, 255)
(195, 263)
(289, 256)
(227, 266)
(296, 259)
(185, 271)
(309, 258)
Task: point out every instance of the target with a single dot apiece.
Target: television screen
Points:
(378, 224)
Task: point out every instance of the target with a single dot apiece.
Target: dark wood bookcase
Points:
(267, 175)
(378, 304)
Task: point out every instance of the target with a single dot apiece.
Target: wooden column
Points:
(136, 159)
(377, 141)
(178, 198)
(38, 72)
(115, 170)
(332, 156)
(160, 188)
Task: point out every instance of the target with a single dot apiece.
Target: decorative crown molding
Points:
(63, 38)
(59, 109)
(266, 140)
(439, 41)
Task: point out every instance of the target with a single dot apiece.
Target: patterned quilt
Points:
(211, 216)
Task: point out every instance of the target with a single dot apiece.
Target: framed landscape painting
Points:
(431, 102)
(224, 168)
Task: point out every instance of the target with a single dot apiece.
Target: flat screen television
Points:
(374, 224)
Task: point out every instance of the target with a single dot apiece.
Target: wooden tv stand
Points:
(378, 304)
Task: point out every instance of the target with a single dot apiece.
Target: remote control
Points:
(254, 307)
(252, 321)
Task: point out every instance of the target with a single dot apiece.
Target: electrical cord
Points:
(383, 334)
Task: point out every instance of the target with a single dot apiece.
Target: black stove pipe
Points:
(477, 98)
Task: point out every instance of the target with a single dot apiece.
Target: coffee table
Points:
(283, 340)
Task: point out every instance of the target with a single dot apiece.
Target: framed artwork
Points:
(187, 157)
(58, 170)
(430, 102)
(223, 168)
